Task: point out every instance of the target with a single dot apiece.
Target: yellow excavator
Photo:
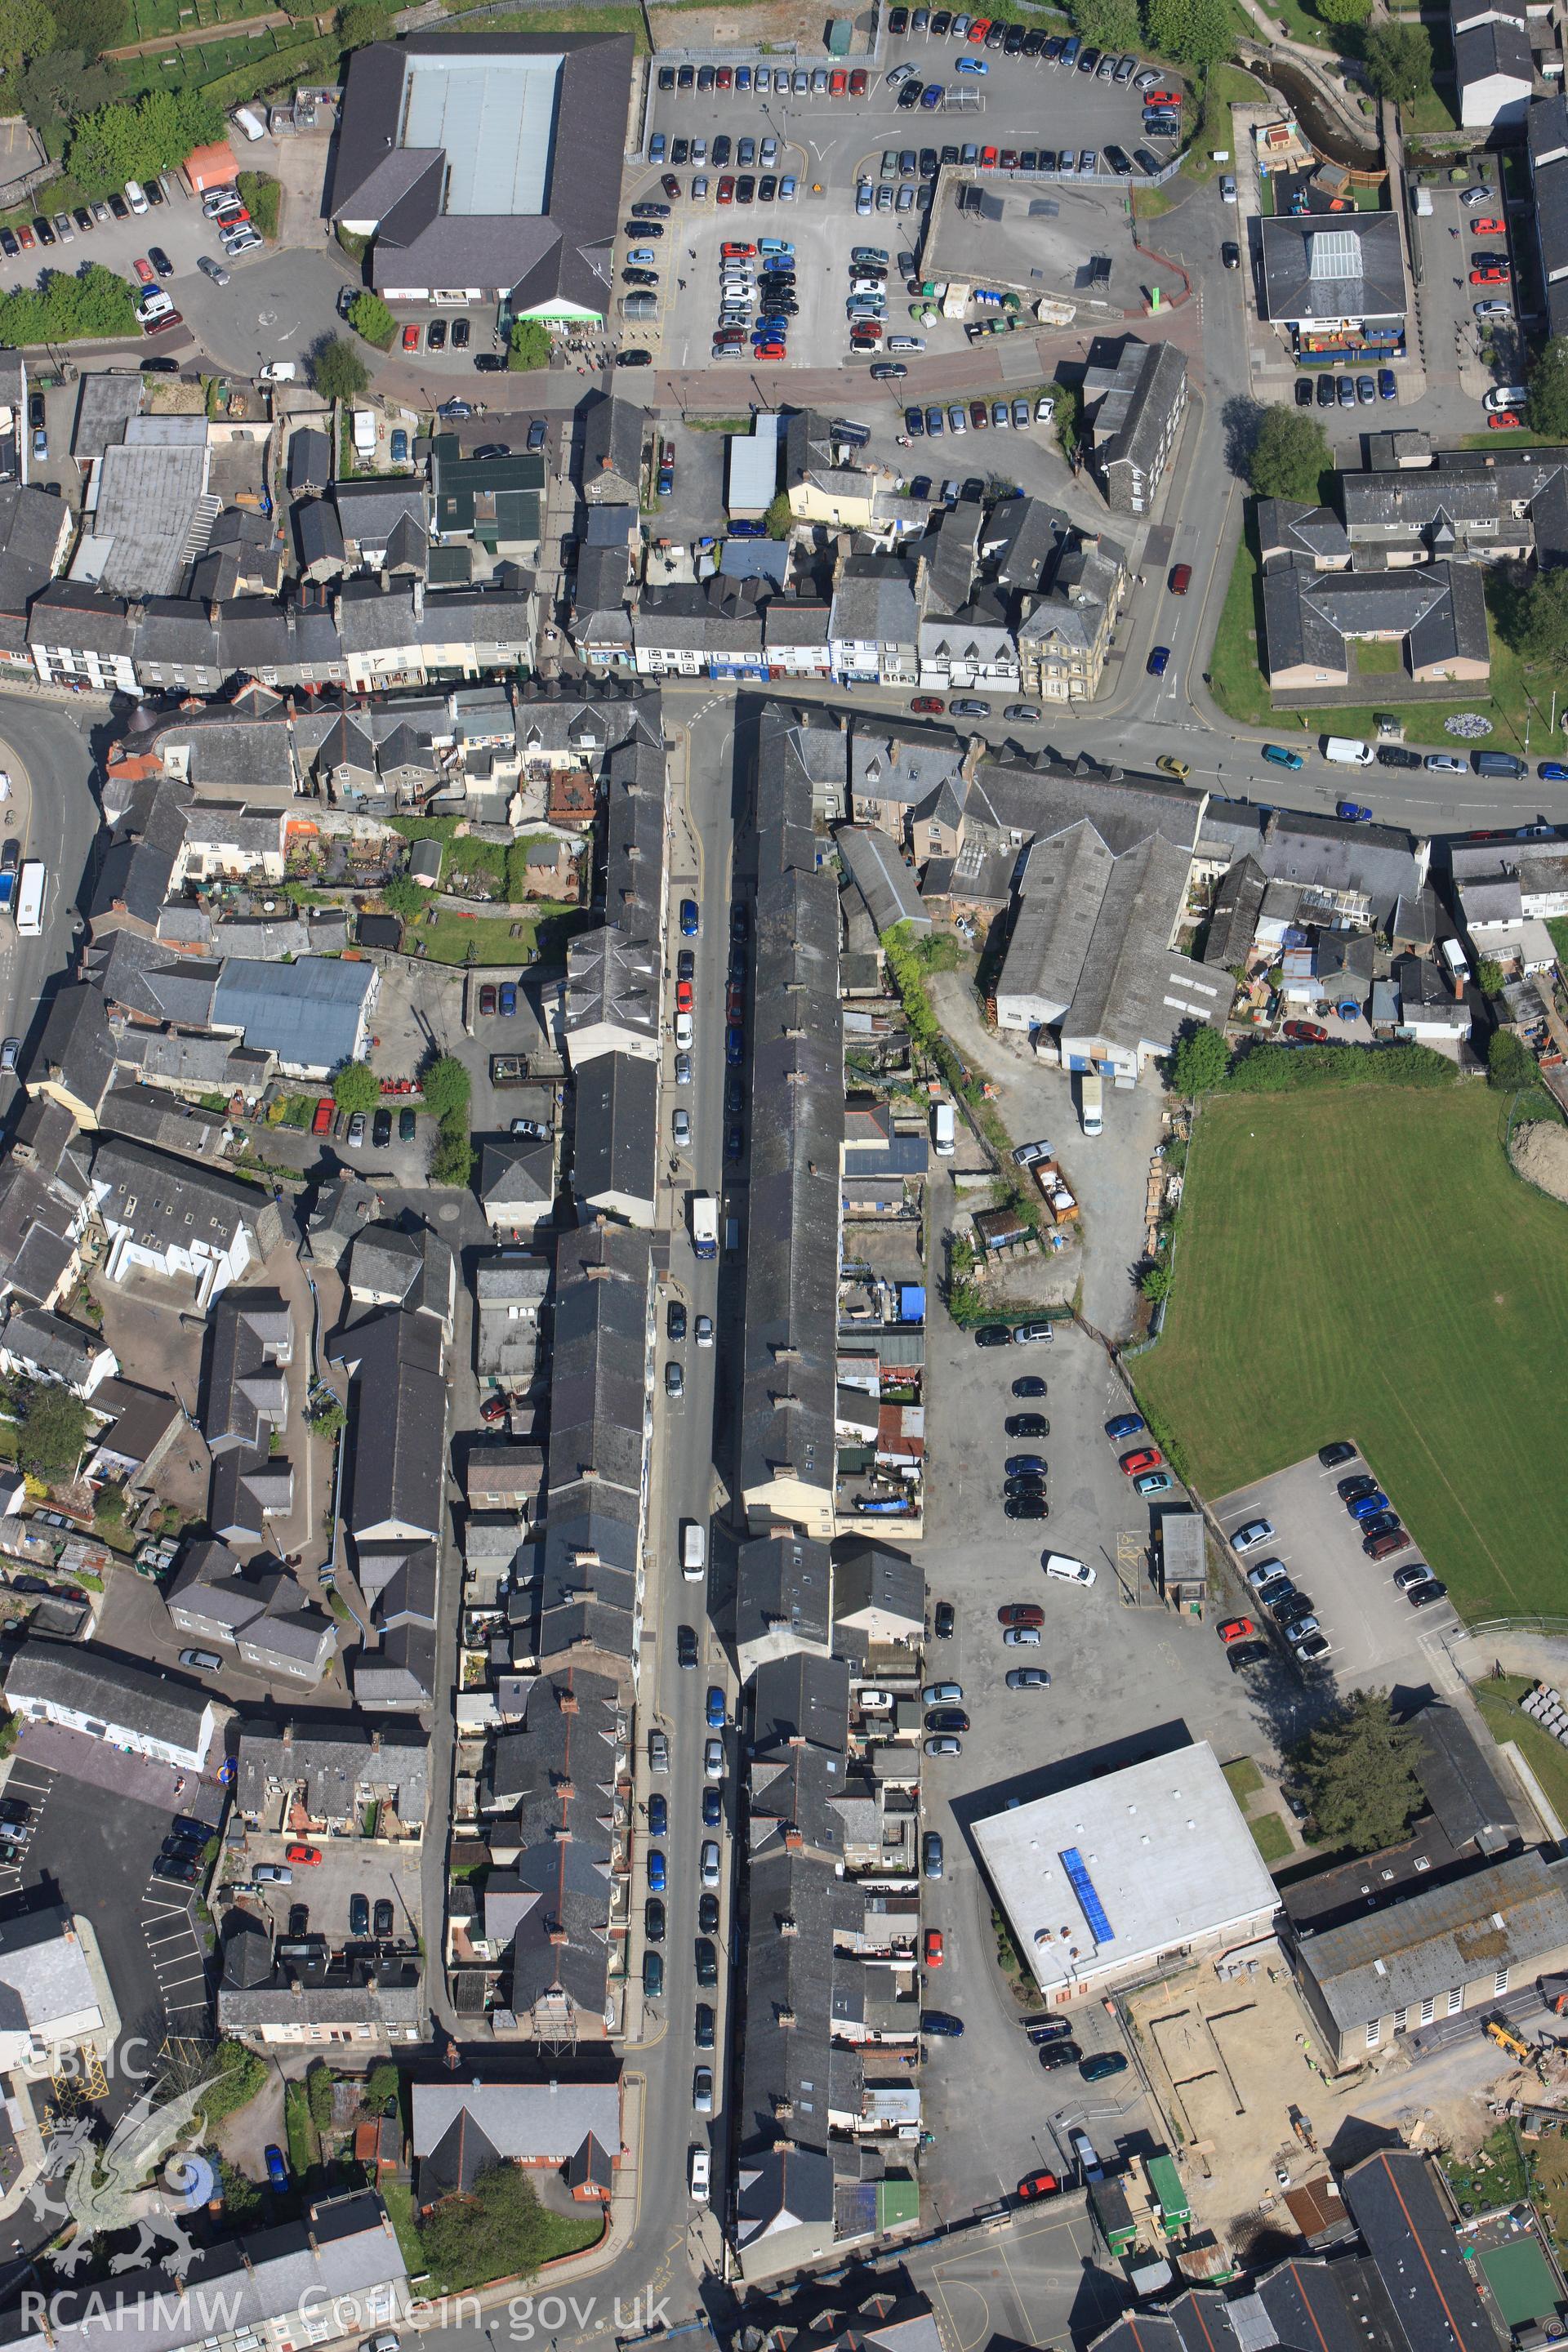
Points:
(1504, 2034)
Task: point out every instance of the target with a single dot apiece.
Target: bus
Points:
(31, 898)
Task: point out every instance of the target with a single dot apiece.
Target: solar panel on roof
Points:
(1089, 1904)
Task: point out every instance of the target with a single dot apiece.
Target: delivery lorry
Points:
(1091, 1101)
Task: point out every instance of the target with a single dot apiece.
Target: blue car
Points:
(508, 998)
(942, 2021)
(1159, 661)
(1366, 1504)
(970, 64)
(712, 1808)
(1387, 387)
(1352, 813)
(932, 96)
(400, 448)
(659, 1816)
(715, 1708)
(1553, 771)
(734, 1043)
(1126, 1424)
(276, 2170)
(688, 918)
(656, 1870)
(1280, 757)
(936, 422)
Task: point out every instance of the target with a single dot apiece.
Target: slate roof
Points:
(877, 871)
(398, 1423)
(1445, 1936)
(788, 1376)
(516, 1171)
(457, 2130)
(613, 432)
(174, 1197)
(309, 1013)
(1437, 609)
(1546, 138)
(1412, 2242)
(1371, 289)
(616, 1146)
(784, 1587)
(561, 1768)
(95, 1682)
(801, 1700)
(1490, 41)
(597, 1439)
(33, 529)
(336, 1766)
(874, 602)
(563, 252)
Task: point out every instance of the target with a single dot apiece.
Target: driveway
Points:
(1109, 1173)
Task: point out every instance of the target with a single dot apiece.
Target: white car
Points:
(681, 1127)
(1071, 1571)
(943, 1693)
(1045, 408)
(1227, 189)
(713, 1759)
(1248, 1537)
(709, 1862)
(684, 1032)
(1022, 1637)
(1266, 1569)
(704, 1329)
(700, 2176)
(1505, 395)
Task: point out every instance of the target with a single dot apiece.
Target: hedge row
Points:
(1296, 1069)
(307, 61)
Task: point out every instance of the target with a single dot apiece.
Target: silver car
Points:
(709, 1862)
(680, 1128)
(683, 1069)
(703, 2090)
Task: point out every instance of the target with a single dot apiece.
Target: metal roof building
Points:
(312, 1015)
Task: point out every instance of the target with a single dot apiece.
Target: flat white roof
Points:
(1117, 1870)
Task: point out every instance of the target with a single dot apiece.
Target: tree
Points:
(90, 25)
(452, 1160)
(445, 1085)
(1541, 624)
(62, 310)
(1356, 1766)
(27, 29)
(53, 1433)
(369, 317)
(1199, 1063)
(1489, 977)
(1109, 23)
(1398, 60)
(382, 2086)
(357, 1088)
(1289, 456)
(262, 198)
(337, 370)
(1511, 1066)
(365, 21)
(530, 346)
(327, 1419)
(1156, 1284)
(319, 2093)
(405, 897)
(1547, 410)
(61, 84)
(1191, 32)
(1342, 12)
(500, 2232)
(780, 517)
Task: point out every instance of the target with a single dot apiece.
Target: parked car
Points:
(201, 1662)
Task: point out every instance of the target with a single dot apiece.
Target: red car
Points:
(987, 154)
(934, 1948)
(670, 185)
(770, 351)
(1507, 421)
(1385, 1547)
(1038, 2184)
(981, 27)
(306, 1856)
(145, 272)
(731, 251)
(1488, 228)
(979, 415)
(1307, 1032)
(858, 82)
(487, 999)
(410, 339)
(323, 1122)
(931, 705)
(723, 77)
(1497, 274)
(494, 1409)
(1146, 1457)
(1162, 97)
(838, 84)
(683, 997)
(1237, 1629)
(1021, 1612)
(726, 197)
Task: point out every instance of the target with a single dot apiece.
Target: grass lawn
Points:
(1368, 1267)
(1378, 656)
(1271, 1838)
(1243, 1779)
(1494, 2176)
(1235, 681)
(1497, 1699)
(449, 937)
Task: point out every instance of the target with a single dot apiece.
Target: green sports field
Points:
(1367, 1265)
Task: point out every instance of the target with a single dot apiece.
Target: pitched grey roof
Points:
(309, 1013)
(598, 1440)
(784, 1586)
(516, 1171)
(1298, 285)
(874, 602)
(162, 1200)
(1418, 1948)
(788, 1374)
(69, 614)
(398, 1424)
(878, 870)
(613, 434)
(337, 1765)
(616, 1147)
(94, 1682)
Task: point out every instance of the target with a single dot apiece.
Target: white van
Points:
(1424, 203)
(251, 125)
(136, 196)
(693, 1550)
(1347, 752)
(1092, 1102)
(364, 432)
(1070, 1571)
(1453, 955)
(279, 371)
(941, 1131)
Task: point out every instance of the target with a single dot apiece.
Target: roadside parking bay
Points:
(1366, 1615)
